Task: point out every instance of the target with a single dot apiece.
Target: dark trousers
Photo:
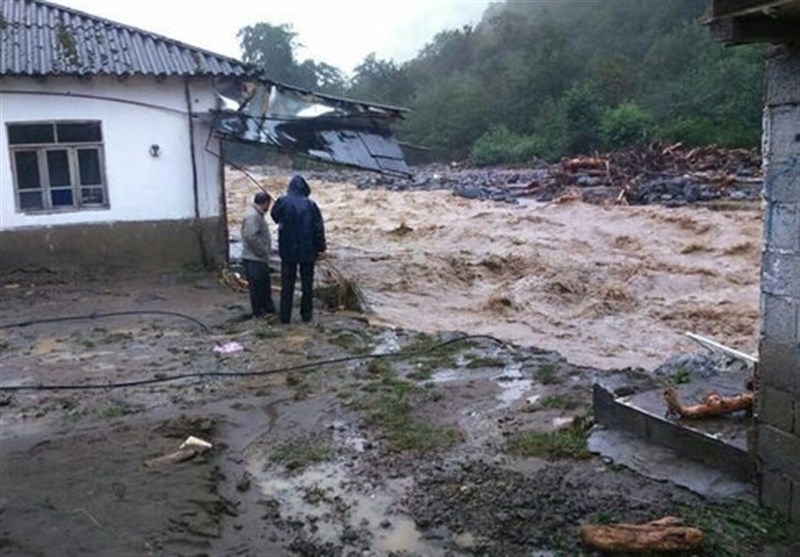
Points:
(288, 278)
(257, 273)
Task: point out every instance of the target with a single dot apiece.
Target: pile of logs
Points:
(655, 173)
(670, 174)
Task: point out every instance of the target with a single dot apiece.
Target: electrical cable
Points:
(237, 374)
(96, 315)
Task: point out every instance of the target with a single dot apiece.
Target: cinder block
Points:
(782, 227)
(782, 125)
(779, 318)
(780, 273)
(796, 428)
(779, 365)
(775, 491)
(783, 75)
(778, 451)
(794, 514)
(776, 408)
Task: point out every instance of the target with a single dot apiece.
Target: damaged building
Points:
(113, 140)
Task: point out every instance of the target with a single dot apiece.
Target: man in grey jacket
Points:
(256, 248)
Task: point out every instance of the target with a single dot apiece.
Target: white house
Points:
(104, 158)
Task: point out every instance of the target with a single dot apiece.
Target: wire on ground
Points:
(238, 374)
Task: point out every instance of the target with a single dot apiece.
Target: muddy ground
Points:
(384, 433)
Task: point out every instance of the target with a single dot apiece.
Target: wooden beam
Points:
(724, 8)
(755, 29)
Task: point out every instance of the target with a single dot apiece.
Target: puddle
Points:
(511, 381)
(513, 385)
(330, 499)
(344, 435)
(387, 343)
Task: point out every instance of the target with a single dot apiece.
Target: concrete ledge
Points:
(720, 443)
(166, 244)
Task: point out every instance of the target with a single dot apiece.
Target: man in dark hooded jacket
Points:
(301, 239)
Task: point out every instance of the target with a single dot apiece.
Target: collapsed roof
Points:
(322, 127)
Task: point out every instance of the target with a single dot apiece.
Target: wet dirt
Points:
(384, 443)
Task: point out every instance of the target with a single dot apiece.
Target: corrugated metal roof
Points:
(39, 38)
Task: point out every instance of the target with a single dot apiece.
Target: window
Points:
(58, 166)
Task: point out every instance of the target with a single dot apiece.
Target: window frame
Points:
(72, 149)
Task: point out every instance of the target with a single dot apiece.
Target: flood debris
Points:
(664, 534)
(228, 347)
(339, 292)
(713, 404)
(233, 280)
(321, 127)
(671, 175)
(189, 449)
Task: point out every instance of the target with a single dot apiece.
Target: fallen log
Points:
(713, 404)
(175, 457)
(665, 534)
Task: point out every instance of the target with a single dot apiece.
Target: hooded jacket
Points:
(301, 231)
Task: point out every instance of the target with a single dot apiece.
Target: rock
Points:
(469, 192)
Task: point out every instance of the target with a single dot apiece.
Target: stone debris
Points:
(671, 175)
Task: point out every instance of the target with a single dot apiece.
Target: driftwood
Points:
(189, 449)
(665, 534)
(233, 280)
(175, 457)
(712, 404)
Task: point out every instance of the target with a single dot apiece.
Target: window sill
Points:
(42, 212)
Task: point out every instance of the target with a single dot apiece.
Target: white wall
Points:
(135, 113)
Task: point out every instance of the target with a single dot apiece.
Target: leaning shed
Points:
(778, 408)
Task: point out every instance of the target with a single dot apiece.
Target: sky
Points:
(337, 32)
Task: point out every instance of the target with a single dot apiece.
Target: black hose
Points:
(311, 365)
(108, 314)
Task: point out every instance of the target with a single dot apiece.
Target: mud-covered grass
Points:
(299, 452)
(354, 342)
(568, 442)
(392, 404)
(736, 529)
(547, 374)
(554, 402)
(427, 354)
(485, 361)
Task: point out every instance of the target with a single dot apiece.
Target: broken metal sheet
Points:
(325, 128)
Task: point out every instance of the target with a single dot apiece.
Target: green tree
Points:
(449, 115)
(271, 48)
(581, 107)
(381, 81)
(624, 125)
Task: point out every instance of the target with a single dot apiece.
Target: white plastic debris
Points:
(229, 348)
(193, 442)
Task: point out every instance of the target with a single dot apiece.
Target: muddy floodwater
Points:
(605, 286)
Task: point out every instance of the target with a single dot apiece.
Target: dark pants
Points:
(288, 278)
(257, 273)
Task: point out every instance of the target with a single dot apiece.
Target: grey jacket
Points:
(256, 241)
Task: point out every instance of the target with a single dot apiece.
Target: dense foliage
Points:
(552, 78)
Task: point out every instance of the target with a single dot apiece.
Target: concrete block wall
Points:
(778, 412)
